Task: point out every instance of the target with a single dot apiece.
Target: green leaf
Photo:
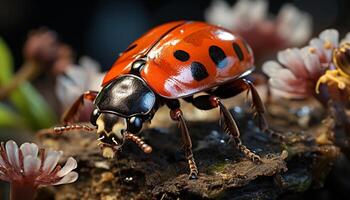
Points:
(33, 106)
(26, 99)
(10, 119)
(6, 63)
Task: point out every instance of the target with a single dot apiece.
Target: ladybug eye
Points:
(134, 124)
(94, 116)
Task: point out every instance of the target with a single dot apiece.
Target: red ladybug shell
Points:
(184, 57)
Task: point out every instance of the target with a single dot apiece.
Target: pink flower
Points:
(298, 70)
(266, 35)
(27, 168)
(41, 46)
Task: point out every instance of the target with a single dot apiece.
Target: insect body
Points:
(173, 61)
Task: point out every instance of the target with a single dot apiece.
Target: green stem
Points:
(28, 71)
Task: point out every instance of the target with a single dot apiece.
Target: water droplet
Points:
(214, 133)
(303, 111)
(237, 109)
(250, 123)
(128, 179)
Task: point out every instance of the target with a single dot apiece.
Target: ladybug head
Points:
(121, 107)
(110, 130)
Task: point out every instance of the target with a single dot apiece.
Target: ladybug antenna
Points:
(58, 130)
(76, 127)
(145, 147)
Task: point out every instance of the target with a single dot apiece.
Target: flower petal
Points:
(69, 166)
(67, 90)
(330, 35)
(346, 39)
(317, 45)
(294, 25)
(220, 13)
(289, 95)
(4, 177)
(51, 160)
(89, 64)
(330, 39)
(294, 86)
(69, 178)
(29, 149)
(95, 82)
(291, 58)
(248, 13)
(77, 80)
(271, 68)
(257, 10)
(2, 162)
(312, 62)
(12, 154)
(31, 165)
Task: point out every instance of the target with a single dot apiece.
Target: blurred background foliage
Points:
(33, 112)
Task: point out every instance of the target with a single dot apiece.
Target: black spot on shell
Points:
(130, 48)
(218, 56)
(199, 72)
(181, 55)
(238, 51)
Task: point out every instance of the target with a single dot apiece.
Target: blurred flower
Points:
(346, 39)
(77, 79)
(27, 168)
(41, 50)
(41, 46)
(298, 70)
(64, 59)
(250, 19)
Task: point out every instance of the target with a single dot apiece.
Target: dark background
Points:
(101, 29)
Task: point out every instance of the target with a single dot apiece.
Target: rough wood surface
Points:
(298, 163)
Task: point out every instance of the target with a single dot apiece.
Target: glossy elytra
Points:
(173, 61)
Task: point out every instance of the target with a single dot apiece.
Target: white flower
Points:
(243, 15)
(78, 79)
(346, 39)
(27, 164)
(294, 25)
(265, 34)
(298, 70)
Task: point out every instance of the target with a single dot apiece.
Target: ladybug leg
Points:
(227, 122)
(176, 114)
(70, 115)
(238, 86)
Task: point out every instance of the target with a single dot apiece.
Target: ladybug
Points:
(194, 61)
